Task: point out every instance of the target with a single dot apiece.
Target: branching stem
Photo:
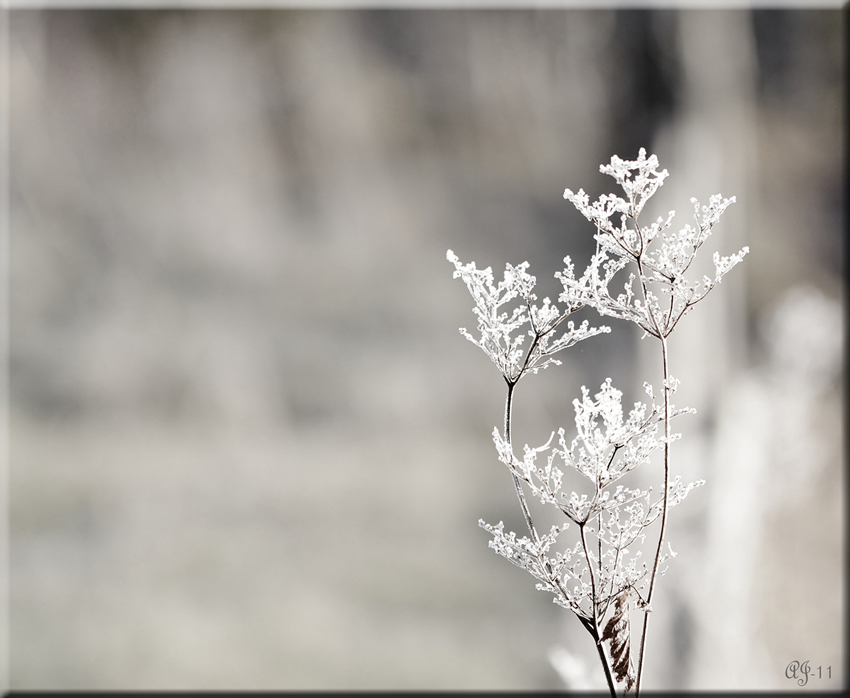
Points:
(594, 629)
(613, 574)
(591, 625)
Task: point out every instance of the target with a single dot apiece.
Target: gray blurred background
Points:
(249, 448)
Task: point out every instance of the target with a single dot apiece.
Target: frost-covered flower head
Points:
(507, 314)
(666, 295)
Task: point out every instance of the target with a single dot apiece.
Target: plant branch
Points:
(519, 493)
(664, 509)
(600, 423)
(594, 629)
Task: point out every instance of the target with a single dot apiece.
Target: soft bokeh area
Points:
(249, 448)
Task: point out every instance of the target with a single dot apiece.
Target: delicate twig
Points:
(519, 493)
(664, 512)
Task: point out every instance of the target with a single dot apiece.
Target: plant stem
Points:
(612, 687)
(594, 629)
(663, 512)
(519, 493)
(591, 626)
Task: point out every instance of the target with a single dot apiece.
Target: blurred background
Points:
(249, 448)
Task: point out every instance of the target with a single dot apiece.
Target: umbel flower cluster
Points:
(599, 574)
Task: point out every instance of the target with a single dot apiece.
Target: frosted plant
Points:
(599, 574)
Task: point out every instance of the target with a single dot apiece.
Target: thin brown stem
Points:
(517, 486)
(594, 629)
(612, 687)
(664, 508)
